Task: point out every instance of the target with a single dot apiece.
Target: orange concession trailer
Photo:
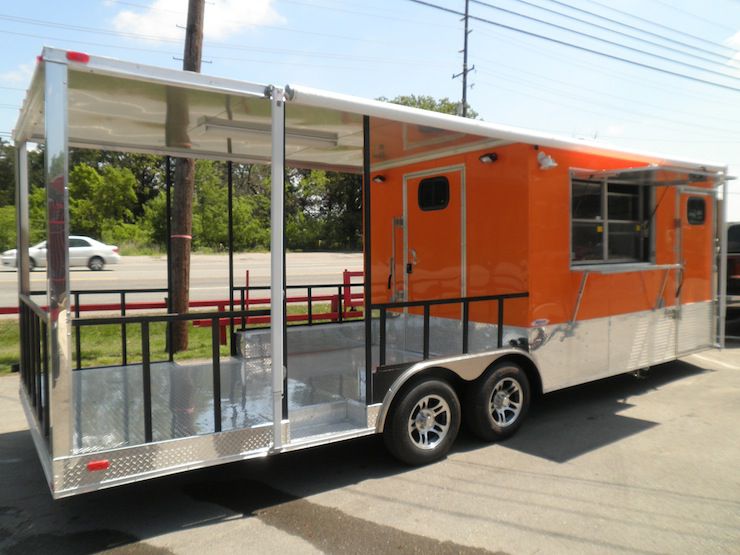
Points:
(499, 263)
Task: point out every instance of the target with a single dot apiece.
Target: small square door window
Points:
(696, 211)
(434, 193)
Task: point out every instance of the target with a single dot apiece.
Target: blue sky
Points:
(392, 47)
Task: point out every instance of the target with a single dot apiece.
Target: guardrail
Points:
(426, 310)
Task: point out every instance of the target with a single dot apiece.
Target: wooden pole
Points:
(182, 209)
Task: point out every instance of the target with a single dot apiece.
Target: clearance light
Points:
(80, 57)
(488, 158)
(379, 179)
(95, 466)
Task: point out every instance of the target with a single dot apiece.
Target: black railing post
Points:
(124, 346)
(466, 318)
(339, 304)
(45, 355)
(426, 331)
(37, 369)
(310, 305)
(381, 339)
(500, 328)
(216, 354)
(147, 380)
(78, 333)
(242, 302)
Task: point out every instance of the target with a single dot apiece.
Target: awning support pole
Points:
(277, 263)
(722, 226)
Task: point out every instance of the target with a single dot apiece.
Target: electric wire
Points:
(548, 81)
(695, 16)
(251, 48)
(579, 47)
(603, 40)
(724, 59)
(719, 97)
(601, 108)
(254, 24)
(660, 25)
(646, 31)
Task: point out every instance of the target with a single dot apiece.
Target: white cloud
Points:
(18, 76)
(223, 18)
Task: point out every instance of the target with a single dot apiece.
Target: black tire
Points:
(96, 264)
(497, 403)
(31, 264)
(428, 413)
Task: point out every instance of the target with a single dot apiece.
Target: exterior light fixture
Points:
(379, 179)
(259, 131)
(488, 158)
(546, 161)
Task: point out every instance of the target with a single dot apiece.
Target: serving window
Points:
(609, 222)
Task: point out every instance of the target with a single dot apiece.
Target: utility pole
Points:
(182, 209)
(466, 70)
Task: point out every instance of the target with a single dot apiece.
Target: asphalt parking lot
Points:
(618, 466)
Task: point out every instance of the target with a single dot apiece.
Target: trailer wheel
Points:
(497, 403)
(424, 424)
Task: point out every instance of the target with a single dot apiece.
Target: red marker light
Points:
(94, 466)
(80, 57)
(39, 59)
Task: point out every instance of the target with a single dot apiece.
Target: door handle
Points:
(414, 262)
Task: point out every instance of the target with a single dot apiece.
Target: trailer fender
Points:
(466, 368)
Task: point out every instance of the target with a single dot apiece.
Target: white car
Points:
(83, 251)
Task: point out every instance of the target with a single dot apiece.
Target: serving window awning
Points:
(652, 175)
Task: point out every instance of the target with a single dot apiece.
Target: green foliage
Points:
(7, 227)
(99, 201)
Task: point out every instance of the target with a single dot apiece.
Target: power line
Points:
(671, 123)
(580, 87)
(695, 16)
(230, 46)
(660, 25)
(607, 41)
(632, 36)
(610, 72)
(646, 31)
(249, 23)
(581, 48)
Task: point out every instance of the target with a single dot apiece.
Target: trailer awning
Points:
(132, 107)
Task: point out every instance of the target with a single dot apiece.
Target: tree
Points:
(98, 201)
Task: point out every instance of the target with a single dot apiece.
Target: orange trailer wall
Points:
(495, 236)
(554, 286)
(517, 238)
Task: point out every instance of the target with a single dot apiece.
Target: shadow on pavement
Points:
(562, 426)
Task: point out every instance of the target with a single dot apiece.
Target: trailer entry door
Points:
(694, 288)
(434, 246)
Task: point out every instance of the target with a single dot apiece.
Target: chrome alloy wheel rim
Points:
(429, 422)
(506, 402)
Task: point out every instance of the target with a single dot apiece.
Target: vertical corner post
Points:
(721, 218)
(367, 258)
(56, 167)
(277, 262)
(22, 222)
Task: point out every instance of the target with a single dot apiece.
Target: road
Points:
(618, 466)
(209, 275)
